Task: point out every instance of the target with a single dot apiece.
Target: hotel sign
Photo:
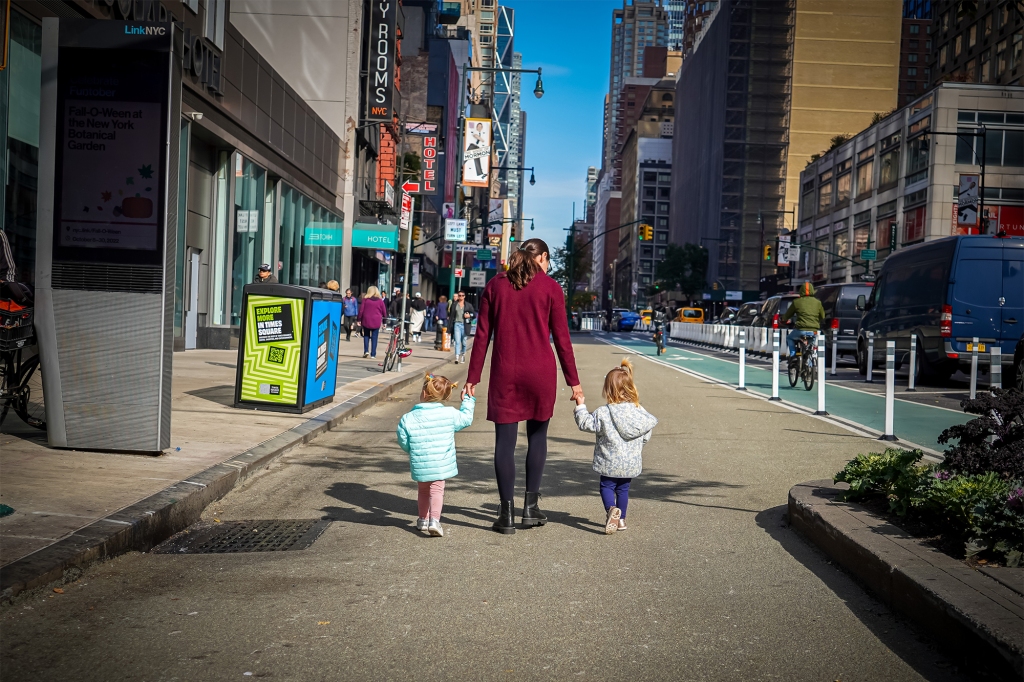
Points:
(380, 80)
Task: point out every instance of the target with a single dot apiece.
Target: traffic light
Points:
(767, 252)
(650, 233)
(646, 233)
(512, 237)
(416, 233)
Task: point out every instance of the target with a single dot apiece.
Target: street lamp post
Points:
(538, 91)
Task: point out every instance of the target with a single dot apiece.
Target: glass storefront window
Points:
(310, 245)
(19, 117)
(247, 253)
(179, 243)
(221, 240)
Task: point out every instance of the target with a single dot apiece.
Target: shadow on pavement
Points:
(223, 395)
(877, 617)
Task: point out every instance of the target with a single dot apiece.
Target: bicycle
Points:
(802, 364)
(21, 381)
(659, 337)
(397, 347)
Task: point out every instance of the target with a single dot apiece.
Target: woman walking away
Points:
(417, 315)
(622, 428)
(427, 433)
(371, 316)
(441, 319)
(520, 310)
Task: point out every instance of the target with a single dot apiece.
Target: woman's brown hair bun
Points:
(522, 264)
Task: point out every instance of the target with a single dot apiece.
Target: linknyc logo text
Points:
(145, 30)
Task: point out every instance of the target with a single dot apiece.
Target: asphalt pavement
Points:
(708, 583)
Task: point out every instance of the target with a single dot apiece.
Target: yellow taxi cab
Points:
(692, 315)
(645, 315)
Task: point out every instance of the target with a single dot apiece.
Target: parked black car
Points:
(745, 315)
(840, 304)
(775, 305)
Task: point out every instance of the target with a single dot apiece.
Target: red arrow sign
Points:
(410, 187)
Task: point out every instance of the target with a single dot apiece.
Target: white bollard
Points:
(974, 367)
(821, 373)
(913, 362)
(743, 361)
(869, 378)
(775, 365)
(835, 350)
(995, 370)
(890, 389)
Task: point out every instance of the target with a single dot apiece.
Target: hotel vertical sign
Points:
(380, 81)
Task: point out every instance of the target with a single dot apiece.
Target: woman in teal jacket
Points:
(427, 433)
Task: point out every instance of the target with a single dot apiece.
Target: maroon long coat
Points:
(523, 374)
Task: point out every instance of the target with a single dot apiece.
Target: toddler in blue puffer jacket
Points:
(427, 433)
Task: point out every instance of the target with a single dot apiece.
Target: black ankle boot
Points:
(532, 515)
(506, 523)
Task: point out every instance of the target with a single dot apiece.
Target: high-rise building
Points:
(978, 42)
(780, 80)
(639, 24)
(513, 157)
(591, 197)
(676, 23)
(915, 49)
(693, 22)
(501, 111)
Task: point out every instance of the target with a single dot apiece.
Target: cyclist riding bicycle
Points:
(809, 316)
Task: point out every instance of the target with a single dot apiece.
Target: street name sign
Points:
(868, 254)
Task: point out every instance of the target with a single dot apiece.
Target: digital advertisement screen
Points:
(322, 368)
(112, 135)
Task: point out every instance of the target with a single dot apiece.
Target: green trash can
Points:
(287, 347)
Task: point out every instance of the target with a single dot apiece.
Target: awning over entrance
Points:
(375, 236)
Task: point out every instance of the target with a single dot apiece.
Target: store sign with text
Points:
(380, 84)
(428, 166)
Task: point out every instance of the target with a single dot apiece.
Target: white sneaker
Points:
(435, 529)
(421, 525)
(612, 522)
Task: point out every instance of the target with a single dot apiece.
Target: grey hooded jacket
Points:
(622, 429)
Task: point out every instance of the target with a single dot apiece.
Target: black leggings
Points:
(505, 451)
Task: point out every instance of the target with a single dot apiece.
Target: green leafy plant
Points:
(994, 441)
(894, 474)
(979, 510)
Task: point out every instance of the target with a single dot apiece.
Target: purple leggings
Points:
(615, 493)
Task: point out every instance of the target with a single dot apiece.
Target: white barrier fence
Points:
(591, 324)
(758, 339)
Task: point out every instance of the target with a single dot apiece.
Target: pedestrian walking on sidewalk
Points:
(460, 319)
(622, 428)
(416, 316)
(520, 311)
(427, 433)
(371, 317)
(350, 313)
(441, 320)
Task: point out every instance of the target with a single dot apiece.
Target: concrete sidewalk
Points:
(74, 498)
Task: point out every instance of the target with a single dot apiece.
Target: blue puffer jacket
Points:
(427, 433)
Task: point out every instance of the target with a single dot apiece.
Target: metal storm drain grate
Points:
(267, 535)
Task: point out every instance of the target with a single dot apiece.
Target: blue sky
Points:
(571, 41)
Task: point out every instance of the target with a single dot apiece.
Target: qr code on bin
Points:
(276, 354)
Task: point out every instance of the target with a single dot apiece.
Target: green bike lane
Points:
(919, 424)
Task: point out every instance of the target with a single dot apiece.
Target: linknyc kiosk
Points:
(287, 347)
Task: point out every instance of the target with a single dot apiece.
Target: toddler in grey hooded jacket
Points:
(622, 426)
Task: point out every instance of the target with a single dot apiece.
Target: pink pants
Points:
(431, 499)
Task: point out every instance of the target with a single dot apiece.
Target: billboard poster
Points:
(476, 152)
(322, 363)
(273, 347)
(783, 252)
(380, 84)
(967, 201)
(495, 213)
(447, 211)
